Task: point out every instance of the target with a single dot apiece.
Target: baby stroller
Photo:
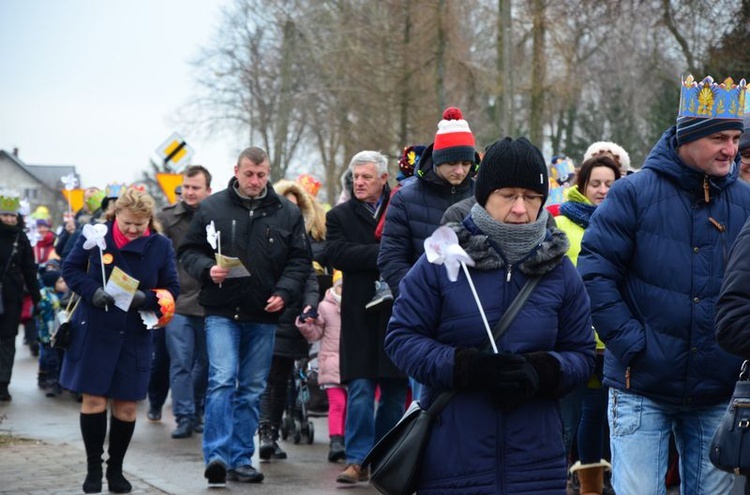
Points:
(296, 421)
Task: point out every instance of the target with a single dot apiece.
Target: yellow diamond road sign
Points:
(175, 152)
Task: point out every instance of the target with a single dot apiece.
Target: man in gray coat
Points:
(185, 334)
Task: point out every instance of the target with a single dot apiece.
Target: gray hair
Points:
(365, 157)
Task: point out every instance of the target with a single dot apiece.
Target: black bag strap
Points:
(500, 328)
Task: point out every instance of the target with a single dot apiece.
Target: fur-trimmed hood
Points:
(304, 202)
(548, 255)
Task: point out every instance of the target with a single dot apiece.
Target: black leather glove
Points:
(101, 299)
(139, 298)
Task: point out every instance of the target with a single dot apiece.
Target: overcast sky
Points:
(97, 83)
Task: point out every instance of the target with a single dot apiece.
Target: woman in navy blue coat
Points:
(502, 433)
(109, 356)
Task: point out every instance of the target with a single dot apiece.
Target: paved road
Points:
(54, 461)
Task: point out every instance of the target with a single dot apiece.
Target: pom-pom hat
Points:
(454, 141)
(509, 163)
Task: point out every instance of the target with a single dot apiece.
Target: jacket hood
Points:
(663, 159)
(425, 171)
(304, 202)
(542, 260)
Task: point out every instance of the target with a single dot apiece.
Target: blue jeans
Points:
(188, 364)
(639, 435)
(364, 427)
(239, 357)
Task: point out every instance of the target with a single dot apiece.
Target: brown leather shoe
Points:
(352, 474)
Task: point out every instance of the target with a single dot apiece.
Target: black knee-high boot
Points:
(93, 430)
(120, 433)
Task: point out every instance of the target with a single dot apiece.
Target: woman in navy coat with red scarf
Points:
(109, 356)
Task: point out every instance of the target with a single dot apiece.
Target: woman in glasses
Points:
(502, 431)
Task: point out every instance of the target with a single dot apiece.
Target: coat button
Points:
(696, 249)
(696, 300)
(236, 317)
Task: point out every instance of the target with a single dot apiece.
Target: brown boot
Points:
(591, 479)
(352, 474)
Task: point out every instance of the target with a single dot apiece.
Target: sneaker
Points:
(352, 474)
(154, 413)
(184, 428)
(216, 474)
(382, 294)
(245, 474)
(54, 390)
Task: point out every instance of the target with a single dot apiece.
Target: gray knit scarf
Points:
(515, 241)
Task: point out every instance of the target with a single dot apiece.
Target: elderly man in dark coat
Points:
(353, 249)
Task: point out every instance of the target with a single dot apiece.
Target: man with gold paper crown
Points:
(653, 259)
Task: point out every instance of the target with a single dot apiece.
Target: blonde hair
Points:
(139, 203)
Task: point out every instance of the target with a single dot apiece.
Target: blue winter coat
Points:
(653, 261)
(476, 447)
(110, 351)
(413, 214)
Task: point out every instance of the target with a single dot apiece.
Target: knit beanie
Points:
(745, 138)
(50, 278)
(509, 163)
(454, 141)
(693, 128)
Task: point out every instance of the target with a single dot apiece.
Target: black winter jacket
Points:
(268, 236)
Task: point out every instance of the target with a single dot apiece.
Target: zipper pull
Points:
(627, 378)
(507, 275)
(705, 189)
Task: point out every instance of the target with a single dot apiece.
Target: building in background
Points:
(38, 184)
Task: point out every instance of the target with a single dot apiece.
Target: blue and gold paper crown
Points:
(114, 190)
(710, 100)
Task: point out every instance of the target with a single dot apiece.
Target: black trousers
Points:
(273, 400)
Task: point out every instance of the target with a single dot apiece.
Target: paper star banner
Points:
(94, 235)
(168, 184)
(74, 197)
(442, 248)
(70, 181)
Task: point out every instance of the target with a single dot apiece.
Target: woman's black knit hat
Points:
(511, 163)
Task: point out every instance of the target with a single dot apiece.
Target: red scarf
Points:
(119, 237)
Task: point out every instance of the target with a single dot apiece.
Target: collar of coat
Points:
(545, 258)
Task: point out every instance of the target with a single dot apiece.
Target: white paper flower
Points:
(33, 233)
(70, 181)
(94, 235)
(442, 248)
(211, 234)
(25, 209)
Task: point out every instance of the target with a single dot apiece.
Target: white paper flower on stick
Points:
(70, 181)
(211, 234)
(94, 235)
(33, 234)
(442, 248)
(25, 209)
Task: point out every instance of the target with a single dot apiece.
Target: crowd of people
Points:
(610, 372)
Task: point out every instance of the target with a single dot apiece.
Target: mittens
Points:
(101, 299)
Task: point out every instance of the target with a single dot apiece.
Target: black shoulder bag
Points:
(730, 446)
(396, 460)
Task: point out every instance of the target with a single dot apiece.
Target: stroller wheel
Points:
(310, 433)
(287, 425)
(297, 437)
